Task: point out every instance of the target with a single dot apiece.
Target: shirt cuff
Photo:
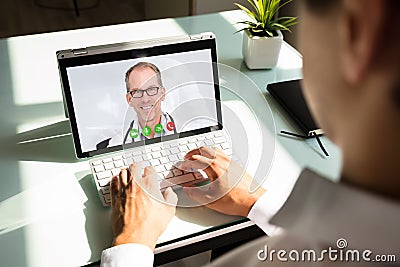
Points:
(127, 255)
(265, 208)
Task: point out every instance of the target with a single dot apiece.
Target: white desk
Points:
(50, 214)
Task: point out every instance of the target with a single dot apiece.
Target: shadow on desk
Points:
(51, 143)
(97, 224)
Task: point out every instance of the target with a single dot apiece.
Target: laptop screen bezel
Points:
(114, 56)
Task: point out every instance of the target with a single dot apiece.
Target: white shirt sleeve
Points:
(266, 207)
(127, 255)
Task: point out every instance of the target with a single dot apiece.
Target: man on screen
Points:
(144, 93)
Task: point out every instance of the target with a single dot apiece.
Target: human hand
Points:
(228, 191)
(136, 216)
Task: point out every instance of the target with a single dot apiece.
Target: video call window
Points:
(127, 101)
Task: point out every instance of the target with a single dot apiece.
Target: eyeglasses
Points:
(152, 90)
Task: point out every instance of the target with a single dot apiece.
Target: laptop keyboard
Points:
(162, 156)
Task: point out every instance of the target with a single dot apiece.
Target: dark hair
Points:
(142, 65)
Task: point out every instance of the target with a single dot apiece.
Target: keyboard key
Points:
(127, 155)
(209, 135)
(225, 145)
(219, 140)
(181, 156)
(137, 158)
(99, 168)
(109, 165)
(117, 157)
(200, 144)
(96, 162)
(137, 152)
(155, 162)
(192, 146)
(183, 142)
(163, 160)
(159, 168)
(174, 150)
(104, 182)
(115, 172)
(146, 157)
(165, 152)
(173, 144)
(165, 174)
(192, 140)
(176, 180)
(129, 161)
(119, 163)
(105, 190)
(107, 160)
(156, 154)
(104, 174)
(218, 134)
(146, 163)
(156, 148)
(107, 198)
(183, 148)
(168, 166)
(173, 158)
(208, 142)
(200, 138)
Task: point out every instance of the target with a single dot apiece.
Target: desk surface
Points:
(49, 210)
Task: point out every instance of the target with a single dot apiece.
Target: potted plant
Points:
(262, 38)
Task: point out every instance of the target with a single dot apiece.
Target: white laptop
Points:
(118, 116)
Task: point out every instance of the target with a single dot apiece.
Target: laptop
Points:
(119, 116)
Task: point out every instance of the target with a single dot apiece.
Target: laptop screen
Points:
(138, 96)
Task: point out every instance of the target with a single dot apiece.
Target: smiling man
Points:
(144, 93)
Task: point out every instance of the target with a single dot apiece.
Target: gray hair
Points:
(142, 65)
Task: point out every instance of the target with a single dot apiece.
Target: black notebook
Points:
(290, 96)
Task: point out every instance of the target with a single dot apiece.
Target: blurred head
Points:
(145, 92)
(352, 83)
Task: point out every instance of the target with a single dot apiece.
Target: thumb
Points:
(170, 196)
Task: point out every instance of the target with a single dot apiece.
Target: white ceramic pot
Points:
(261, 52)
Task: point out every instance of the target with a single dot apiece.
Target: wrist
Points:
(128, 239)
(251, 200)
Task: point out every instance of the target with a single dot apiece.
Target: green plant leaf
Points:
(250, 25)
(280, 26)
(246, 10)
(254, 6)
(263, 19)
(272, 9)
(286, 21)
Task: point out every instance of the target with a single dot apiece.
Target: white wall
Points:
(210, 6)
(155, 9)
